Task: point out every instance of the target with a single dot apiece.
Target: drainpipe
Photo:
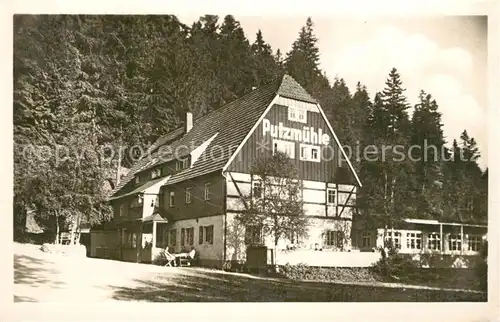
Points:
(224, 209)
(441, 241)
(461, 239)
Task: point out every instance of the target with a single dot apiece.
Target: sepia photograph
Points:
(232, 158)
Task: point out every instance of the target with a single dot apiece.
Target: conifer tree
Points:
(236, 68)
(387, 176)
(302, 62)
(266, 68)
(427, 144)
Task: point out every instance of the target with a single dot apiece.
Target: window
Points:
(455, 242)
(310, 153)
(253, 235)
(187, 193)
(137, 180)
(297, 115)
(182, 164)
(209, 234)
(187, 236)
(474, 243)
(314, 153)
(366, 239)
(434, 241)
(200, 235)
(334, 238)
(190, 236)
(207, 191)
(172, 237)
(129, 239)
(156, 173)
(394, 238)
(285, 147)
(172, 198)
(257, 189)
(293, 237)
(414, 240)
(331, 196)
(206, 234)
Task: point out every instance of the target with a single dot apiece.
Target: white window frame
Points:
(293, 237)
(187, 195)
(171, 199)
(434, 241)
(477, 240)
(209, 234)
(189, 236)
(334, 237)
(185, 163)
(297, 114)
(328, 190)
(286, 147)
(455, 240)
(306, 152)
(394, 236)
(414, 240)
(254, 235)
(366, 236)
(155, 173)
(206, 194)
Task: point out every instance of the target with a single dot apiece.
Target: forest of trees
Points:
(85, 82)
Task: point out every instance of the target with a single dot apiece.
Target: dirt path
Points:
(41, 277)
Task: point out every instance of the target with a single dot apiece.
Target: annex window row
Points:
(189, 195)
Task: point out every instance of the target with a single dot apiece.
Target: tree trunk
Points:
(57, 229)
(119, 163)
(393, 187)
(78, 231)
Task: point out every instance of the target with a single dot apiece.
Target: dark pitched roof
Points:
(231, 123)
(139, 189)
(291, 89)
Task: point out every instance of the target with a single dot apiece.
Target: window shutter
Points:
(210, 234)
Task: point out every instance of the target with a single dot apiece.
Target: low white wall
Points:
(68, 250)
(327, 258)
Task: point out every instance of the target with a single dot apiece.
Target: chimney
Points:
(188, 124)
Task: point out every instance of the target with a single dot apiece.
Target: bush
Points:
(396, 266)
(331, 274)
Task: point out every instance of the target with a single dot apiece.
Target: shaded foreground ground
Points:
(41, 277)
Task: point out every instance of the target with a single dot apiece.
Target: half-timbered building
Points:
(185, 192)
